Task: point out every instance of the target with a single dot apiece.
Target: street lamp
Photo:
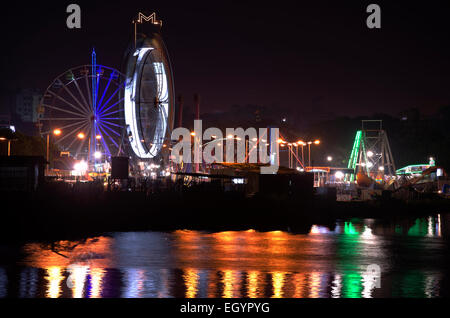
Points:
(329, 158)
(316, 142)
(56, 132)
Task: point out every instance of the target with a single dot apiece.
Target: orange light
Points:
(164, 145)
(317, 142)
(280, 141)
(80, 135)
(192, 134)
(309, 142)
(300, 142)
(57, 132)
(230, 136)
(98, 137)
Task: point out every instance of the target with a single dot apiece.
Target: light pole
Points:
(317, 142)
(81, 136)
(56, 132)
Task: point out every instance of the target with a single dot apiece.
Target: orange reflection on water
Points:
(94, 252)
(190, 277)
(252, 278)
(231, 284)
(277, 283)
(300, 285)
(54, 277)
(314, 285)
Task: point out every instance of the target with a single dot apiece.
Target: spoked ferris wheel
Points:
(82, 109)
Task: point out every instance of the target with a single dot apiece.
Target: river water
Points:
(357, 258)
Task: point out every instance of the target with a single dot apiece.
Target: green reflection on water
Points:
(352, 285)
(411, 285)
(348, 252)
(420, 228)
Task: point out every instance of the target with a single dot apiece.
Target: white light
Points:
(369, 154)
(131, 88)
(369, 165)
(80, 166)
(339, 174)
(238, 180)
(329, 158)
(97, 155)
(381, 168)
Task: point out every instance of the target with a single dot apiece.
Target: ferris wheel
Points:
(149, 91)
(82, 111)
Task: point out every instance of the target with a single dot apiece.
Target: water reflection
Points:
(54, 278)
(324, 263)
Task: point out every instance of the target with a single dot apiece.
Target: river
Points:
(357, 258)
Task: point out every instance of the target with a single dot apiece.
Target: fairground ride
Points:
(82, 112)
(149, 103)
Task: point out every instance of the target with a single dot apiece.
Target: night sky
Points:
(314, 57)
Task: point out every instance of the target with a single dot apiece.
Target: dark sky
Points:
(311, 56)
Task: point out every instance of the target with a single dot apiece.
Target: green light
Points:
(354, 154)
(403, 170)
(349, 229)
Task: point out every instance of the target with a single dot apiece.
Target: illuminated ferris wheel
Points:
(82, 111)
(149, 90)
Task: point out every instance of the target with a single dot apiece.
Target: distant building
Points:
(27, 102)
(21, 173)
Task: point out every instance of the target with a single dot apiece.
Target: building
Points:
(27, 102)
(21, 173)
